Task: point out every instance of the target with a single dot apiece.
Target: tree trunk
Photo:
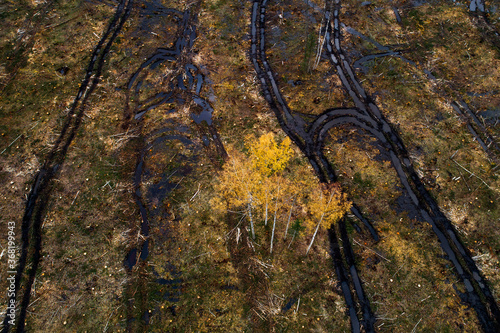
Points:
(315, 232)
(250, 216)
(289, 216)
(274, 222)
(265, 219)
(319, 223)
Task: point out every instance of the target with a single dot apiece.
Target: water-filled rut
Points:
(163, 95)
(367, 117)
(39, 196)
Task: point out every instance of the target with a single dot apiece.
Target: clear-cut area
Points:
(249, 166)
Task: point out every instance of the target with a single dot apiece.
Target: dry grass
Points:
(226, 281)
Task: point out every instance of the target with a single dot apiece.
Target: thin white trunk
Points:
(249, 202)
(250, 216)
(265, 219)
(274, 222)
(315, 232)
(319, 223)
(320, 46)
(289, 217)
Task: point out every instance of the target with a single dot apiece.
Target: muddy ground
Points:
(116, 119)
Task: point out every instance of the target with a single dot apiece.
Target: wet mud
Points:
(367, 117)
(164, 103)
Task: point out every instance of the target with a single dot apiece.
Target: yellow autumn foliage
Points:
(236, 181)
(328, 205)
(256, 185)
(269, 156)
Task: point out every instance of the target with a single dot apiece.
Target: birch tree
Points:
(254, 184)
(330, 208)
(250, 181)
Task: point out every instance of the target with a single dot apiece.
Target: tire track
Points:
(475, 127)
(477, 293)
(480, 18)
(366, 116)
(39, 196)
(177, 90)
(296, 128)
(181, 88)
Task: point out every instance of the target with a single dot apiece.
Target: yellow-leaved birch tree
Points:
(259, 186)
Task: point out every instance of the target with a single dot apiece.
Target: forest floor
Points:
(129, 236)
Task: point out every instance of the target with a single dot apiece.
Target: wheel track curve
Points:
(366, 116)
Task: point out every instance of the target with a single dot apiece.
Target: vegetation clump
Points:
(260, 188)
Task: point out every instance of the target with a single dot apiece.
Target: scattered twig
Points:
(59, 24)
(425, 298)
(258, 315)
(106, 327)
(381, 256)
(177, 184)
(194, 195)
(295, 233)
(11, 143)
(472, 174)
(34, 302)
(398, 270)
(298, 303)
(460, 172)
(415, 328)
(203, 254)
(107, 183)
(122, 134)
(102, 255)
(75, 302)
(34, 125)
(55, 313)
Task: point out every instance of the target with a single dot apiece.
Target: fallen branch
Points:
(472, 174)
(415, 328)
(381, 256)
(106, 327)
(203, 254)
(11, 143)
(194, 195)
(298, 303)
(398, 270)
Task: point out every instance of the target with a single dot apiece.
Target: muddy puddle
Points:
(367, 117)
(163, 95)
